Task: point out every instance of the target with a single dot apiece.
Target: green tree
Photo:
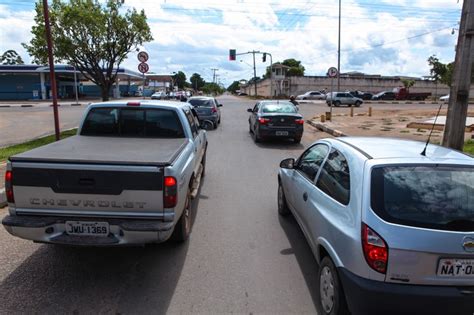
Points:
(441, 72)
(179, 79)
(11, 57)
(92, 36)
(197, 82)
(212, 88)
(296, 68)
(407, 83)
(234, 87)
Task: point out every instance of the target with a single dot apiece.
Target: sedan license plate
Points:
(87, 228)
(281, 133)
(453, 267)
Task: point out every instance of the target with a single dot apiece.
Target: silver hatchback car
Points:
(392, 229)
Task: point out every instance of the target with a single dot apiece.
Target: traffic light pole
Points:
(253, 52)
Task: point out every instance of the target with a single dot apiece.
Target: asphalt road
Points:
(241, 257)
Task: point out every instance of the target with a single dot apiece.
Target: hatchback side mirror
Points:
(249, 110)
(219, 105)
(288, 163)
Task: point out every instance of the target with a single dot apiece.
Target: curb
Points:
(3, 198)
(322, 127)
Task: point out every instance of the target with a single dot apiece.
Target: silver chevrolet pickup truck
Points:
(127, 177)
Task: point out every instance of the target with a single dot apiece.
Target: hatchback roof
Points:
(380, 148)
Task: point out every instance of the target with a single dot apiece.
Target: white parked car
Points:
(312, 95)
(444, 98)
(158, 95)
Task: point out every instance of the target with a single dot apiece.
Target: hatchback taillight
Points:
(263, 121)
(9, 186)
(214, 110)
(375, 249)
(170, 192)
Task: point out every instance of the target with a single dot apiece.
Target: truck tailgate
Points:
(88, 190)
(107, 150)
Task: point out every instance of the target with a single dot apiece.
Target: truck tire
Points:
(183, 226)
(203, 162)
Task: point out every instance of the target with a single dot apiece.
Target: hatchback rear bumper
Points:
(374, 297)
(47, 229)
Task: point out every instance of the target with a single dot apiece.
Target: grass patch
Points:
(32, 144)
(469, 146)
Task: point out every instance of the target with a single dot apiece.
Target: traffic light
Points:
(232, 54)
(264, 58)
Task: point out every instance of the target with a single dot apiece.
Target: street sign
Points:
(332, 72)
(143, 67)
(142, 56)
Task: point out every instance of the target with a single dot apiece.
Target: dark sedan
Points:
(386, 96)
(275, 119)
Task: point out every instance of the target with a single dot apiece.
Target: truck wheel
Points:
(203, 162)
(183, 226)
(330, 299)
(283, 209)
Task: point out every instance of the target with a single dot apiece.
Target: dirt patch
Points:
(385, 123)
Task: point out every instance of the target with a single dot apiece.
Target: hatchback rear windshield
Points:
(430, 196)
(201, 103)
(132, 122)
(279, 108)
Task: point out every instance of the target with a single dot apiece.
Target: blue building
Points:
(27, 82)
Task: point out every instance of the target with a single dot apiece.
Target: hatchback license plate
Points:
(87, 228)
(282, 133)
(453, 267)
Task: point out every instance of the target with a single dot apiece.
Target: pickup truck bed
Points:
(118, 151)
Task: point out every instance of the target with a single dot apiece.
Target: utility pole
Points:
(339, 52)
(453, 136)
(254, 73)
(52, 75)
(214, 74)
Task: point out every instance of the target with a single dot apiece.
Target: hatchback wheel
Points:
(337, 103)
(330, 296)
(283, 209)
(357, 104)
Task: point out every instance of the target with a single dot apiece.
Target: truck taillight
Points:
(375, 249)
(9, 186)
(170, 192)
(263, 121)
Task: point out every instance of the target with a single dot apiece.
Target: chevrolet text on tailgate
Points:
(127, 177)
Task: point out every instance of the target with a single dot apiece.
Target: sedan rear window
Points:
(279, 108)
(430, 196)
(201, 103)
(137, 123)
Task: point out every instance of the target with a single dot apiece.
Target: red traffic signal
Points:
(232, 54)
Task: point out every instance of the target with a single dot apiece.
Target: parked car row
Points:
(162, 95)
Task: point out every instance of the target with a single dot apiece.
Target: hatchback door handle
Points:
(305, 196)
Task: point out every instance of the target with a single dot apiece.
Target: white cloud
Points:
(195, 35)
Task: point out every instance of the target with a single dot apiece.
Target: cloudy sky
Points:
(389, 37)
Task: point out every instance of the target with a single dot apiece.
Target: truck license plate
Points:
(282, 133)
(456, 268)
(87, 228)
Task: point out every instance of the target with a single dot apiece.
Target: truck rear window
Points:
(430, 196)
(131, 122)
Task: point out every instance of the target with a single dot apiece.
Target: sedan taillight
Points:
(299, 121)
(263, 121)
(375, 249)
